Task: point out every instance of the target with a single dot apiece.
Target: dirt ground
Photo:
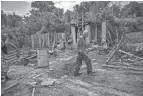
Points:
(106, 81)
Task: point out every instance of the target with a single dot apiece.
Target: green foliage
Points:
(45, 17)
(51, 16)
(132, 9)
(11, 20)
(91, 10)
(3, 19)
(43, 6)
(67, 16)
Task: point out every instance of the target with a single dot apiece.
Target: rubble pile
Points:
(127, 62)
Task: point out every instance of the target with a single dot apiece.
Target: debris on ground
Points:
(48, 82)
(121, 77)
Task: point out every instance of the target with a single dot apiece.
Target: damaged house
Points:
(99, 32)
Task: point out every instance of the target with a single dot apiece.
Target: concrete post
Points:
(87, 27)
(103, 32)
(73, 35)
(95, 38)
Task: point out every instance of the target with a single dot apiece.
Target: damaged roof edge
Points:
(85, 23)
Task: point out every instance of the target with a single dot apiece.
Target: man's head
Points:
(85, 34)
(4, 36)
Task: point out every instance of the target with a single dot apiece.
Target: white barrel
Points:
(42, 58)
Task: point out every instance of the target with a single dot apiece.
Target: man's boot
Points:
(91, 73)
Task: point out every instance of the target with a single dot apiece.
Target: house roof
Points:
(75, 22)
(135, 37)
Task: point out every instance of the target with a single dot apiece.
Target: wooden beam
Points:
(33, 91)
(110, 38)
(130, 54)
(54, 42)
(111, 29)
(123, 67)
(115, 49)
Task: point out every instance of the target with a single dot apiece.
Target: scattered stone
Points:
(64, 77)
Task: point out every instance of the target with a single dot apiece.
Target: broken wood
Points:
(33, 91)
(10, 86)
(123, 67)
(31, 56)
(115, 49)
(112, 50)
(130, 54)
(54, 42)
(110, 38)
(38, 76)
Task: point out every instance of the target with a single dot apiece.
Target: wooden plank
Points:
(40, 40)
(115, 50)
(32, 56)
(12, 60)
(42, 37)
(33, 38)
(130, 54)
(53, 43)
(13, 51)
(39, 36)
(33, 91)
(110, 38)
(45, 40)
(48, 37)
(123, 67)
(109, 26)
(112, 50)
(11, 57)
(44, 45)
(116, 32)
(35, 44)
(14, 83)
(37, 40)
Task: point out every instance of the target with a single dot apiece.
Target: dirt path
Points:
(106, 82)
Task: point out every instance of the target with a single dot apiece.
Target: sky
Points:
(23, 7)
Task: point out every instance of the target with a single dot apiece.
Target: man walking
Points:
(82, 55)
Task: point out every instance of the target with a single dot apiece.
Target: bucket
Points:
(42, 58)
